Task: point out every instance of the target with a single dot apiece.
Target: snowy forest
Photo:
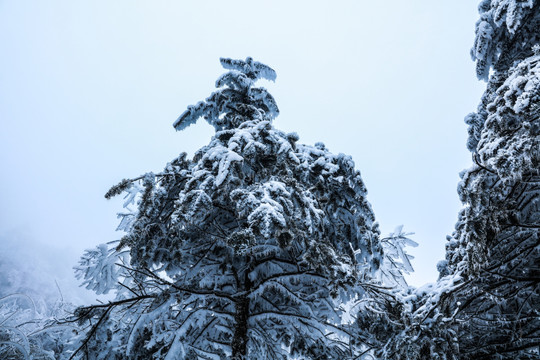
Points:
(262, 247)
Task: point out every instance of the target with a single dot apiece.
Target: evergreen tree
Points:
(487, 300)
(496, 246)
(248, 250)
(486, 304)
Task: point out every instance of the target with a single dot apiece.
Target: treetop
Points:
(236, 101)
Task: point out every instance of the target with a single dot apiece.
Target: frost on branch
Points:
(505, 28)
(99, 270)
(397, 261)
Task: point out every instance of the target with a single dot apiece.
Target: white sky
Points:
(89, 91)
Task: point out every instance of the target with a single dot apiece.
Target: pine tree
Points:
(485, 304)
(496, 245)
(248, 250)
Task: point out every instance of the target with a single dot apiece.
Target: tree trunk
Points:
(239, 343)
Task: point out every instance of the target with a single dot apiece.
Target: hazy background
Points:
(89, 91)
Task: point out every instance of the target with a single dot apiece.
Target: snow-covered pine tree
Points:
(248, 250)
(496, 246)
(486, 303)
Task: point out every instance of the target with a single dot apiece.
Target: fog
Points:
(89, 92)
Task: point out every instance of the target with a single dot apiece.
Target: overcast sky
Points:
(89, 91)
